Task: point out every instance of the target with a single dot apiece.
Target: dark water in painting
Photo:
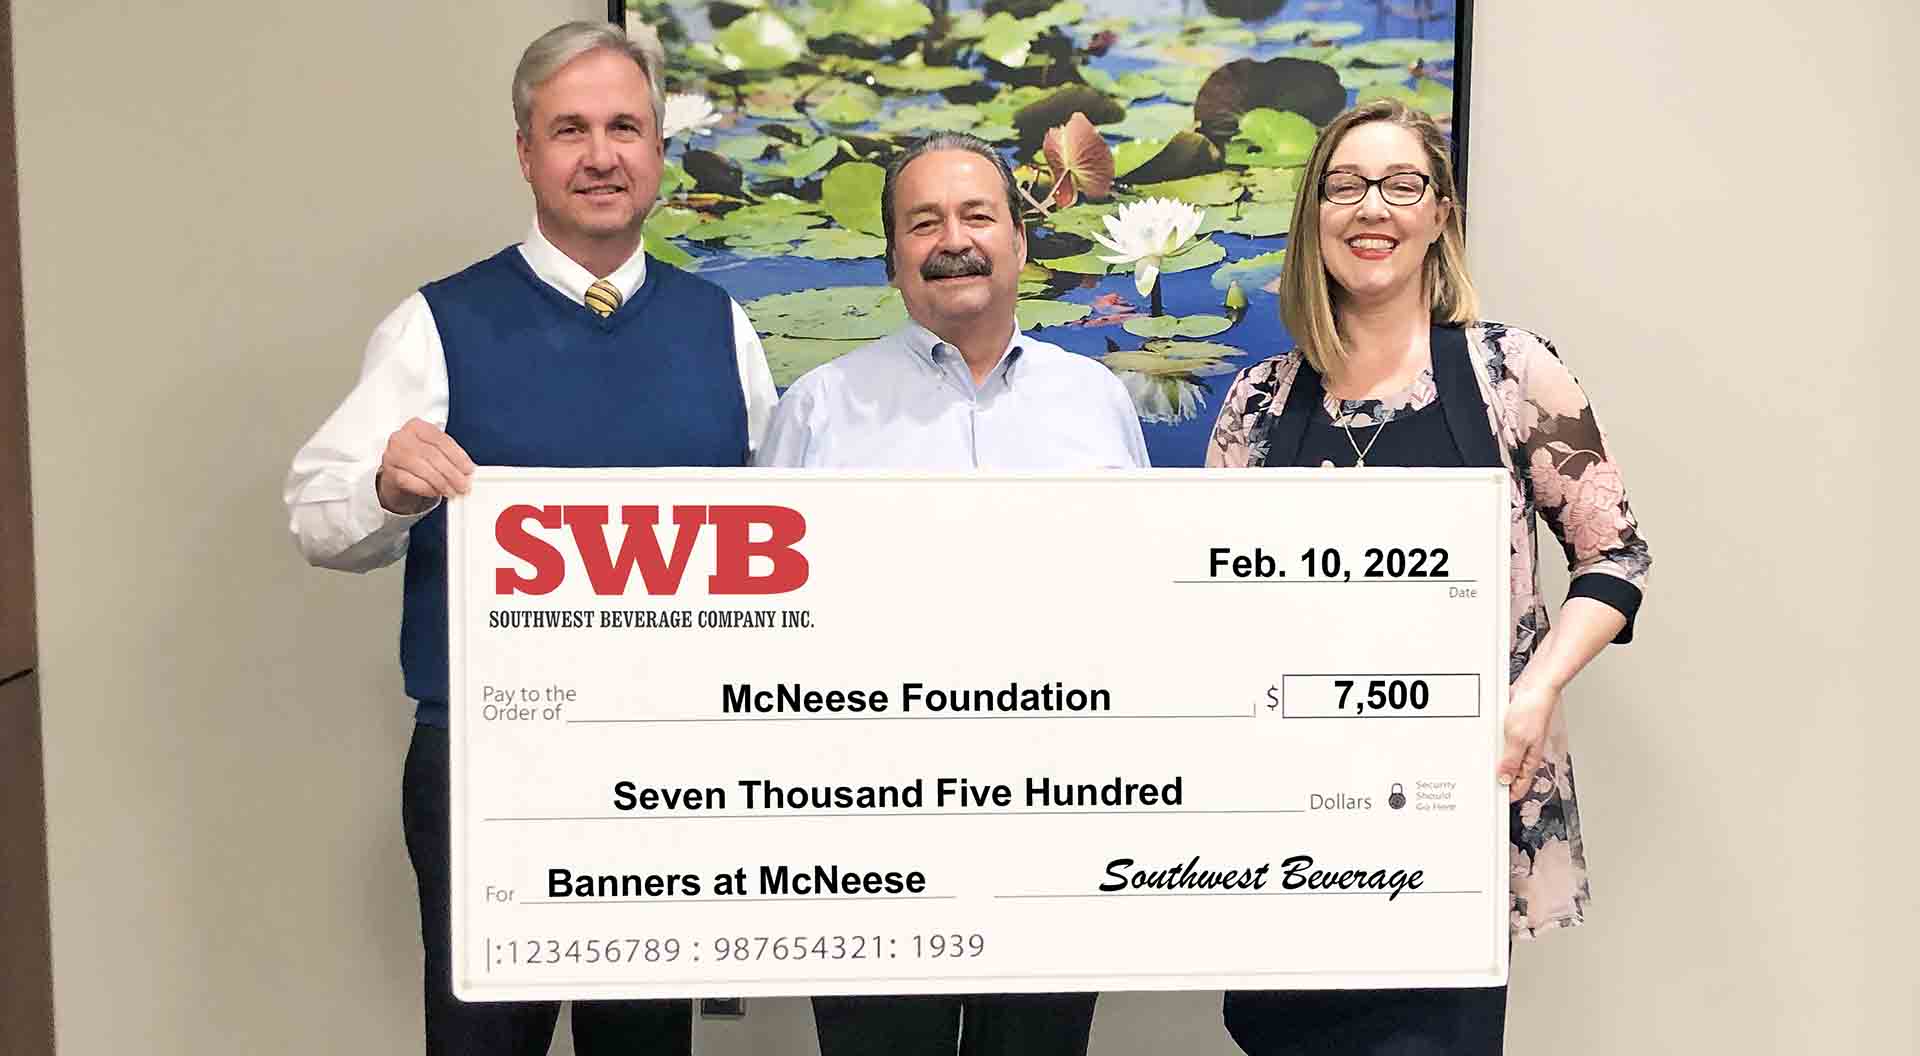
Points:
(1258, 333)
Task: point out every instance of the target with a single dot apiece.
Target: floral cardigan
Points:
(1556, 454)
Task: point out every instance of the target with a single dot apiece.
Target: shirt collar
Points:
(927, 347)
(565, 274)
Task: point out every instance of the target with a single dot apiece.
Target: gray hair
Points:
(563, 44)
(945, 141)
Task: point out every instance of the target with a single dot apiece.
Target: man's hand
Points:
(421, 466)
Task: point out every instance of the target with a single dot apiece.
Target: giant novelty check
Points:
(756, 733)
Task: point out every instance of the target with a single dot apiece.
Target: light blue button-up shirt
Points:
(908, 401)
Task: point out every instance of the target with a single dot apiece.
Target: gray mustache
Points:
(952, 265)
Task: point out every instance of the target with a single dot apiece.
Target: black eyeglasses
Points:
(1396, 188)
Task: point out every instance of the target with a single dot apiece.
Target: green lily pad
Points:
(702, 57)
(1065, 13)
(1312, 31)
(923, 78)
(673, 179)
(798, 163)
(851, 193)
(1181, 82)
(1232, 37)
(1272, 138)
(1187, 154)
(917, 120)
(1431, 97)
(754, 231)
(1134, 153)
(1364, 78)
(667, 222)
(790, 357)
(773, 97)
(833, 243)
(1202, 254)
(773, 107)
(1166, 358)
(871, 21)
(1127, 87)
(1253, 219)
(1272, 185)
(1008, 40)
(667, 253)
(759, 41)
(1154, 121)
(745, 147)
(1010, 101)
(1215, 188)
(1033, 315)
(856, 104)
(774, 206)
(1208, 23)
(1084, 219)
(1253, 273)
(771, 232)
(1399, 51)
(1182, 326)
(1088, 263)
(840, 313)
(1327, 53)
(970, 24)
(1034, 279)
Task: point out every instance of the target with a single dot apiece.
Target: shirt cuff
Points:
(372, 519)
(1611, 591)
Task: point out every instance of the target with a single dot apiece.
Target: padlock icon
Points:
(1396, 796)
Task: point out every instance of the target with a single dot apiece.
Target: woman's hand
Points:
(1584, 628)
(1530, 708)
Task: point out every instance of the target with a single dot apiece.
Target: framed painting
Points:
(782, 115)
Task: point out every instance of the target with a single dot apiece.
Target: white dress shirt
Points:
(334, 512)
(909, 401)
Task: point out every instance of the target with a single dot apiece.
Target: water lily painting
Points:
(1158, 144)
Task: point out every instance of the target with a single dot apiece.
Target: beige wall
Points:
(1700, 203)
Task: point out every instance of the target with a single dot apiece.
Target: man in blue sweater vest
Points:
(569, 349)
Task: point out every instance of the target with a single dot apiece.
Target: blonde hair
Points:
(1306, 300)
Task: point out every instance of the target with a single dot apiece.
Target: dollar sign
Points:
(1273, 696)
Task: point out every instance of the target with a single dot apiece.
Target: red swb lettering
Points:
(549, 568)
(735, 549)
(641, 548)
(660, 572)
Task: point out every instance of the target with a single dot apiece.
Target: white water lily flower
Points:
(1147, 233)
(1166, 399)
(688, 112)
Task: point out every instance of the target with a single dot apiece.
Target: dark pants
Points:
(996, 1025)
(456, 1028)
(1467, 1022)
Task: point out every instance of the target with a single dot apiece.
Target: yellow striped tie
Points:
(603, 298)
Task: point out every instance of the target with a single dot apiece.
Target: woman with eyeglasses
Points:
(1394, 367)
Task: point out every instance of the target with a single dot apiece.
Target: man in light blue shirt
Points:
(959, 387)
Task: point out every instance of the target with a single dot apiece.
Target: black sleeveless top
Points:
(1452, 431)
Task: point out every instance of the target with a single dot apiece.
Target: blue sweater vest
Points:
(535, 379)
